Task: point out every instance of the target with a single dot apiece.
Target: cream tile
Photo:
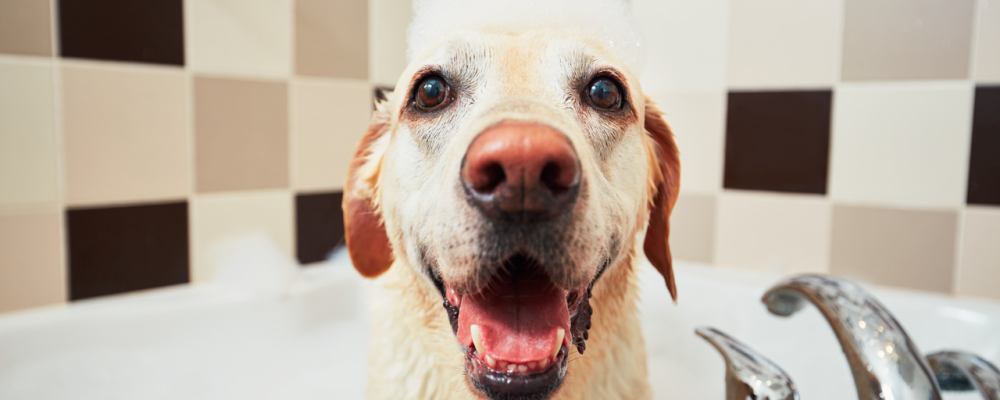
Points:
(784, 43)
(27, 133)
(241, 134)
(331, 38)
(686, 43)
(692, 228)
(905, 248)
(329, 117)
(31, 269)
(126, 133)
(906, 39)
(979, 271)
(901, 144)
(239, 37)
(697, 119)
(774, 232)
(26, 27)
(387, 44)
(218, 218)
(987, 47)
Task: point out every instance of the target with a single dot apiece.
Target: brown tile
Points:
(328, 120)
(241, 134)
(319, 225)
(979, 271)
(778, 141)
(692, 228)
(331, 38)
(121, 249)
(896, 247)
(126, 133)
(28, 154)
(907, 39)
(123, 30)
(984, 165)
(26, 27)
(31, 271)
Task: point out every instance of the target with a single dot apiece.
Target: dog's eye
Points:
(432, 93)
(604, 94)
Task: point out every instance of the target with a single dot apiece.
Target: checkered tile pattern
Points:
(852, 137)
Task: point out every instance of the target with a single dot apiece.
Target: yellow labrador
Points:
(500, 196)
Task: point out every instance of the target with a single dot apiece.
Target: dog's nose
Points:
(521, 172)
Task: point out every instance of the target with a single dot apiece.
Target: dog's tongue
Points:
(518, 318)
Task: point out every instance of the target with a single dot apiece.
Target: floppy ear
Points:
(364, 230)
(665, 182)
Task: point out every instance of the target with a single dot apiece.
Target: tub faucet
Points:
(749, 375)
(884, 361)
(961, 372)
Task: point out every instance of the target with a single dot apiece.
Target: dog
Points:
(499, 197)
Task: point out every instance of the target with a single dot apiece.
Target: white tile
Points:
(901, 144)
(685, 42)
(239, 37)
(979, 268)
(986, 65)
(697, 119)
(773, 232)
(784, 43)
(692, 228)
(27, 133)
(387, 30)
(216, 219)
(329, 117)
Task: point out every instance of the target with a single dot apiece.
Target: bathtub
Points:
(309, 340)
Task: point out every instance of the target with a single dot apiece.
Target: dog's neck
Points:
(414, 354)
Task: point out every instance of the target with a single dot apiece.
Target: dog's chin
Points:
(517, 330)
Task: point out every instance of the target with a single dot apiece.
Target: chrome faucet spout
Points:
(749, 375)
(884, 360)
(960, 372)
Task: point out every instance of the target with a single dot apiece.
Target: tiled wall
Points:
(856, 137)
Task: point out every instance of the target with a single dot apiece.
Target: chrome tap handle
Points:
(958, 371)
(884, 361)
(749, 374)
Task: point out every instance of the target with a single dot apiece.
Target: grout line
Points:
(974, 39)
(956, 272)
(60, 146)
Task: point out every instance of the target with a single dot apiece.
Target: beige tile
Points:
(328, 119)
(784, 43)
(901, 144)
(987, 49)
(692, 228)
(241, 134)
(27, 133)
(896, 247)
(218, 218)
(387, 44)
(26, 27)
(907, 39)
(31, 269)
(979, 271)
(686, 43)
(331, 38)
(126, 133)
(773, 232)
(697, 119)
(239, 37)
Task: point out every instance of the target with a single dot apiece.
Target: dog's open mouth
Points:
(517, 331)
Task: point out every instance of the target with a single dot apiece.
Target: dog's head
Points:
(512, 170)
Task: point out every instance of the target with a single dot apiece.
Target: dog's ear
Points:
(664, 182)
(364, 230)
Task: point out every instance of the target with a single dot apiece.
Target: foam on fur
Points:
(608, 21)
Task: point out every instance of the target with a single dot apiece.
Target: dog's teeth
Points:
(503, 365)
(522, 368)
(560, 334)
(490, 361)
(543, 363)
(477, 340)
(511, 368)
(532, 365)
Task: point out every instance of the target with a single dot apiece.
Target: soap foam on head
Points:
(608, 21)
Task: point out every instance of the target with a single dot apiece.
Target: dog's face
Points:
(512, 170)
